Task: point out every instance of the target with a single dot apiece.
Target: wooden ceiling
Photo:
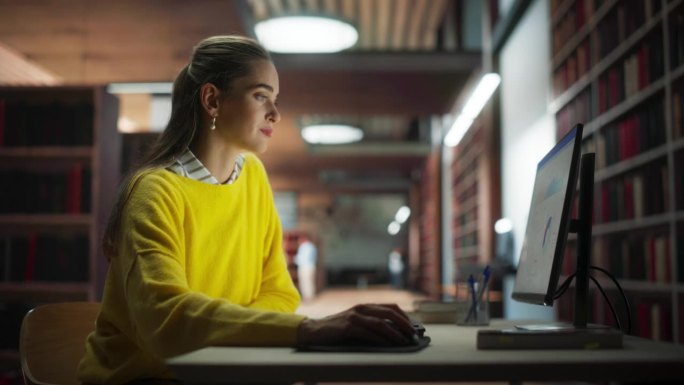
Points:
(407, 66)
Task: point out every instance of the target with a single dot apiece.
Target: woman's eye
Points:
(260, 97)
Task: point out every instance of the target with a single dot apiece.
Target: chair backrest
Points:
(52, 341)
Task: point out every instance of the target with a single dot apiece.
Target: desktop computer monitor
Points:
(548, 223)
(541, 258)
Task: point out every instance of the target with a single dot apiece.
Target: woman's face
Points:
(247, 111)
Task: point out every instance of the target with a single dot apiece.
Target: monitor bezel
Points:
(547, 298)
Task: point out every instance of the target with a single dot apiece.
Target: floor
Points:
(335, 300)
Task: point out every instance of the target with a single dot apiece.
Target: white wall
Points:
(528, 129)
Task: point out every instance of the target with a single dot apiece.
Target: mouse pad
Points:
(422, 344)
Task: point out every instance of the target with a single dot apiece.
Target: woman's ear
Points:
(209, 96)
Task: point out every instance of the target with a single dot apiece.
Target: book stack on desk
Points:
(437, 312)
(513, 338)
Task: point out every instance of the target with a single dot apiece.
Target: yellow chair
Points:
(52, 341)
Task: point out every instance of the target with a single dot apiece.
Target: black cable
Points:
(610, 304)
(624, 297)
(563, 287)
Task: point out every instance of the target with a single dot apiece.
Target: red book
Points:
(644, 320)
(74, 190)
(622, 140)
(636, 135)
(31, 257)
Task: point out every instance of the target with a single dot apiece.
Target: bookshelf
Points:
(618, 67)
(59, 168)
(427, 278)
(473, 208)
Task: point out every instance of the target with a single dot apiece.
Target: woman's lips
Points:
(267, 131)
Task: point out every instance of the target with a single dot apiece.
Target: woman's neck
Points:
(216, 156)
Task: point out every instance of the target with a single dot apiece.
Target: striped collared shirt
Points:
(189, 166)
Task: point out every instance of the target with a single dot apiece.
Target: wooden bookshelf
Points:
(472, 203)
(620, 73)
(59, 168)
(428, 277)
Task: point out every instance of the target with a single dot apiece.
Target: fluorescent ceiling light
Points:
(305, 34)
(140, 88)
(457, 131)
(503, 226)
(482, 93)
(331, 134)
(393, 228)
(484, 90)
(402, 214)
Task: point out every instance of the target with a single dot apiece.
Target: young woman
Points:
(194, 241)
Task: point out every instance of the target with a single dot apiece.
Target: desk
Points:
(451, 356)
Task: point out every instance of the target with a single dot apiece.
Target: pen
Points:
(473, 306)
(483, 285)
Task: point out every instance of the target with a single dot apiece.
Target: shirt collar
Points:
(188, 165)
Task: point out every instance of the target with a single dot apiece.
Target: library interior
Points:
(402, 168)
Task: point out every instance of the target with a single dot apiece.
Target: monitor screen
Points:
(548, 223)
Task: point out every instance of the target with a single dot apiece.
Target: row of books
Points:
(621, 22)
(636, 256)
(637, 132)
(635, 195)
(578, 110)
(466, 240)
(469, 192)
(636, 71)
(44, 258)
(574, 67)
(651, 315)
(32, 192)
(654, 319)
(573, 20)
(676, 37)
(24, 124)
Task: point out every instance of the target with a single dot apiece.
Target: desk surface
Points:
(452, 356)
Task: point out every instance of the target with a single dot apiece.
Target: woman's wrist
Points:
(303, 332)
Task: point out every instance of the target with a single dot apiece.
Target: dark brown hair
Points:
(218, 60)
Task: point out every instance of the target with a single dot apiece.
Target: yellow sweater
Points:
(198, 265)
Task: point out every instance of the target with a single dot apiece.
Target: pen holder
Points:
(478, 305)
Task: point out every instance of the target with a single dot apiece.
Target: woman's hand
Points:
(373, 324)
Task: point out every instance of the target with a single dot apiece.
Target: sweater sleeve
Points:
(168, 318)
(277, 291)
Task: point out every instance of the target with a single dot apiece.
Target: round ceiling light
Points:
(305, 34)
(331, 134)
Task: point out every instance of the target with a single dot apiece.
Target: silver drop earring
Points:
(213, 123)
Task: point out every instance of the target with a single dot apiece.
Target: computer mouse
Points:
(413, 339)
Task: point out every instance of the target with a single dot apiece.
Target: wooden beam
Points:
(435, 15)
(416, 23)
(399, 28)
